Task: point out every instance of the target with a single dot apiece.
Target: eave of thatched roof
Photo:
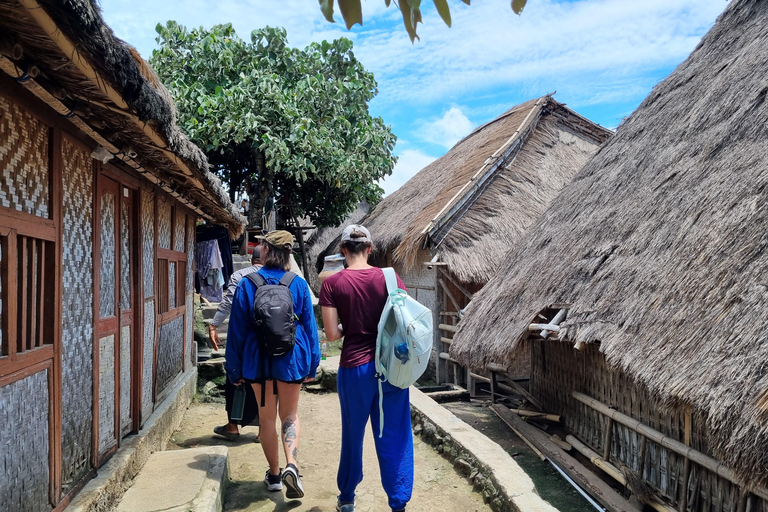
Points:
(478, 198)
(659, 246)
(104, 82)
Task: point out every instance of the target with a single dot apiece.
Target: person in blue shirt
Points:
(280, 378)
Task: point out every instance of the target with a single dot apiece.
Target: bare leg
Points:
(288, 407)
(268, 426)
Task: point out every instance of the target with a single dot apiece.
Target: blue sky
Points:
(602, 57)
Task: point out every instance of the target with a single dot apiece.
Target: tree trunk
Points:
(259, 193)
(300, 236)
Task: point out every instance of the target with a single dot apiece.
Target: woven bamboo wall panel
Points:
(77, 303)
(107, 257)
(164, 224)
(148, 242)
(125, 257)
(190, 253)
(24, 161)
(558, 369)
(125, 379)
(2, 240)
(169, 352)
(172, 284)
(24, 445)
(147, 378)
(180, 231)
(106, 394)
(189, 319)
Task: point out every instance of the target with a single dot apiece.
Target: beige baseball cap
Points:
(353, 232)
(279, 238)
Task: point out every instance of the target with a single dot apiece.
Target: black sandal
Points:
(221, 430)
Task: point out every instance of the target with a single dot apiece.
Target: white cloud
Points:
(449, 129)
(409, 162)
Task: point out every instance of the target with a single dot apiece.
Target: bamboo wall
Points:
(558, 369)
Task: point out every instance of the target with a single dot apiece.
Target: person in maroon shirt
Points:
(356, 297)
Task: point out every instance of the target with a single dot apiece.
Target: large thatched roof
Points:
(105, 82)
(659, 244)
(473, 203)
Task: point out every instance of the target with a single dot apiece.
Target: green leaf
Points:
(466, 2)
(327, 7)
(518, 6)
(443, 10)
(406, 12)
(352, 12)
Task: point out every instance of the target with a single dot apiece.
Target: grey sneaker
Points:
(345, 506)
(292, 480)
(274, 482)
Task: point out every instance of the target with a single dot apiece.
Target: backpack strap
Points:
(391, 278)
(257, 279)
(287, 279)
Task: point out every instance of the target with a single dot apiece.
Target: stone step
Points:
(180, 480)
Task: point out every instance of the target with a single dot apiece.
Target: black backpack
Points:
(273, 315)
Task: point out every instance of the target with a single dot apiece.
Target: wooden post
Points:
(494, 387)
(687, 465)
(608, 439)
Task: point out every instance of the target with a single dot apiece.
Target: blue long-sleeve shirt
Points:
(242, 355)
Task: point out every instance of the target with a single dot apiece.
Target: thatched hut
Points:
(99, 197)
(656, 256)
(448, 228)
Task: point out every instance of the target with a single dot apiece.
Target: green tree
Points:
(291, 124)
(352, 12)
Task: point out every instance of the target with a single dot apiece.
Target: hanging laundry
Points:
(208, 264)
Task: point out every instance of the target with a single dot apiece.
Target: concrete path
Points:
(179, 481)
(438, 486)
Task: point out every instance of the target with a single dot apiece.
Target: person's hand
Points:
(240, 382)
(309, 379)
(213, 335)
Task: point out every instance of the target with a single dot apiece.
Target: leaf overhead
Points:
(326, 6)
(352, 12)
(518, 6)
(443, 10)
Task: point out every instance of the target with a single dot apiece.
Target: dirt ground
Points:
(437, 486)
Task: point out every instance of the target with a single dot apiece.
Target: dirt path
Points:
(437, 485)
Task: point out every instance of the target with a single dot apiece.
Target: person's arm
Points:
(333, 330)
(309, 324)
(238, 324)
(225, 306)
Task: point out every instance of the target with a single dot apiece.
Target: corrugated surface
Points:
(24, 445)
(125, 379)
(77, 303)
(125, 258)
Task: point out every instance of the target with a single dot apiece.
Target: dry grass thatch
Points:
(549, 142)
(120, 66)
(659, 244)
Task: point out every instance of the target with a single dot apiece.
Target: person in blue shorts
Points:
(276, 380)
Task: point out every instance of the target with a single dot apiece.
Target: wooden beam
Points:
(591, 483)
(507, 417)
(449, 294)
(456, 283)
(449, 328)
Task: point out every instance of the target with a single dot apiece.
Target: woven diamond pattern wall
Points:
(25, 179)
(24, 448)
(169, 352)
(107, 257)
(77, 303)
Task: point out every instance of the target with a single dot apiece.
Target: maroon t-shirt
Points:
(359, 297)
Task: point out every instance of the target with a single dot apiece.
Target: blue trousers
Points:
(359, 398)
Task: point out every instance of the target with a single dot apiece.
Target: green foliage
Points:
(293, 121)
(411, 9)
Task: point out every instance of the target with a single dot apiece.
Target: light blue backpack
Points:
(404, 340)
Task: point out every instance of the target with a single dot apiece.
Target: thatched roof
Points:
(106, 83)
(473, 203)
(659, 244)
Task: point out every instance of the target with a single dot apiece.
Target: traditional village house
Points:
(648, 273)
(99, 196)
(448, 228)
